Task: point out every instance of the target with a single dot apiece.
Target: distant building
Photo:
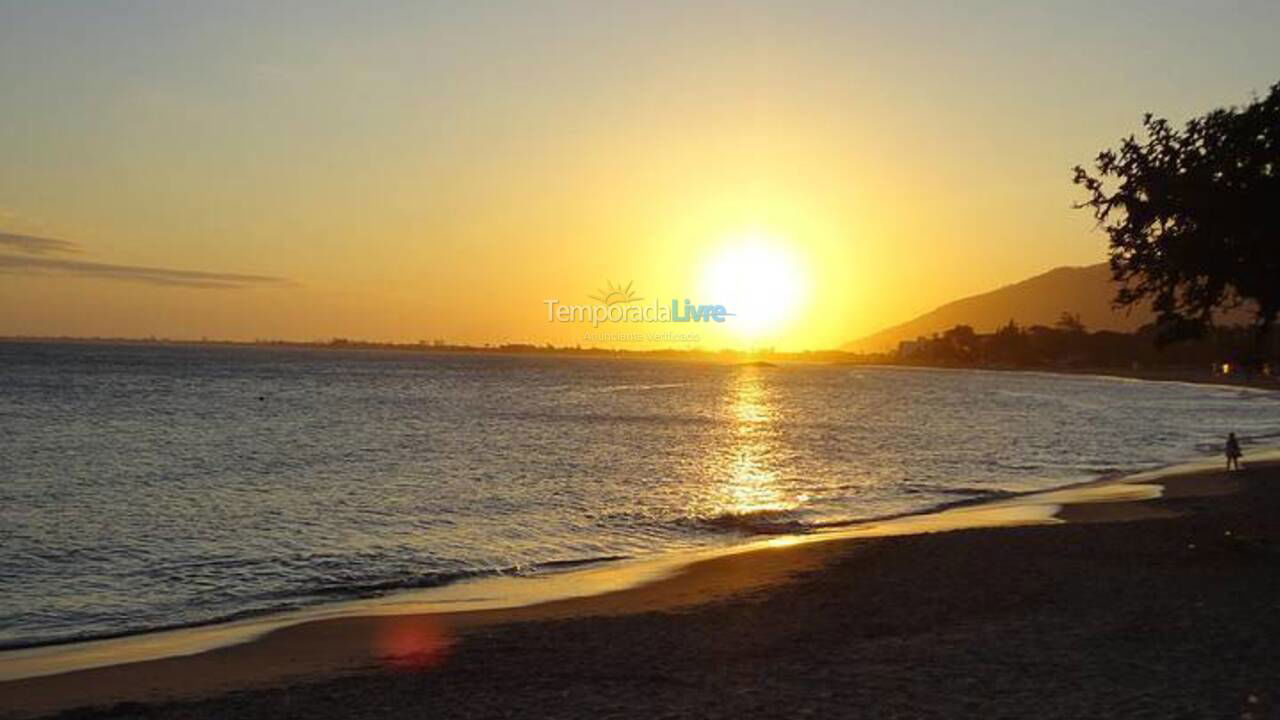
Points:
(907, 348)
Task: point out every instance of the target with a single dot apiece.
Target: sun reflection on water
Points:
(750, 483)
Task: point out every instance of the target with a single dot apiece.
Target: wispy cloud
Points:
(37, 245)
(27, 265)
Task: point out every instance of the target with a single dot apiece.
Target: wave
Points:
(911, 488)
(1014, 466)
(790, 522)
(1256, 439)
(756, 522)
(625, 388)
(309, 597)
(600, 417)
(785, 522)
(1102, 471)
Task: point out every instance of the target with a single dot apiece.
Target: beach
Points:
(1157, 607)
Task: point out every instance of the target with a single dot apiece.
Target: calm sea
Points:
(149, 486)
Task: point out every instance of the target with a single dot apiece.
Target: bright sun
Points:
(759, 280)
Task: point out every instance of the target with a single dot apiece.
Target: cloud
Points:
(26, 265)
(37, 245)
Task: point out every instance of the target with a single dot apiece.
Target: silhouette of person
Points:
(1233, 452)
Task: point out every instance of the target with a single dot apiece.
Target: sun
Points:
(758, 279)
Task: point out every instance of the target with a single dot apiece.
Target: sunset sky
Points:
(406, 171)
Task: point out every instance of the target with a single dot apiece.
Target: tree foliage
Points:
(1039, 346)
(1193, 216)
(1070, 322)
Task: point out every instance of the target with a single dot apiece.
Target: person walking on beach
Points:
(1233, 452)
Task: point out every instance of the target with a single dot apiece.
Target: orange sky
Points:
(421, 172)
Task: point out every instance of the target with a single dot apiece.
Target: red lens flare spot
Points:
(411, 644)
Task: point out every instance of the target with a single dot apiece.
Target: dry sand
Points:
(1158, 608)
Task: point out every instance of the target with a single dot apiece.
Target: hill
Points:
(1040, 300)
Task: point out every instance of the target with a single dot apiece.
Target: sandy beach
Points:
(1132, 607)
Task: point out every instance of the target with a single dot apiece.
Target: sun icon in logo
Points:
(616, 294)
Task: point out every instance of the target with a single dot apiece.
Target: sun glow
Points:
(760, 280)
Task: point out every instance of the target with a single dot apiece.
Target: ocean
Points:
(154, 486)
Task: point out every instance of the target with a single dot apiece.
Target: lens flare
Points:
(411, 644)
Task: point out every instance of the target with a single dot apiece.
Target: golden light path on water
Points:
(747, 469)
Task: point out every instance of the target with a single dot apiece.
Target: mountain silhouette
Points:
(1086, 291)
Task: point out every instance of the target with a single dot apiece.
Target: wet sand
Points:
(1158, 607)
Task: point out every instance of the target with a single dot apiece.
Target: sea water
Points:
(153, 486)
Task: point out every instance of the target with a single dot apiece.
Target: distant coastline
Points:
(1171, 373)
(1174, 372)
(726, 355)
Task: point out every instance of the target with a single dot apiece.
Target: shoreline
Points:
(501, 591)
(638, 569)
(1173, 374)
(556, 581)
(265, 652)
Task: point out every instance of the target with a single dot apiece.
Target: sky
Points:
(406, 171)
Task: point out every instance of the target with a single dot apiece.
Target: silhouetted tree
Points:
(1194, 218)
(963, 340)
(1009, 346)
(1070, 323)
(1041, 346)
